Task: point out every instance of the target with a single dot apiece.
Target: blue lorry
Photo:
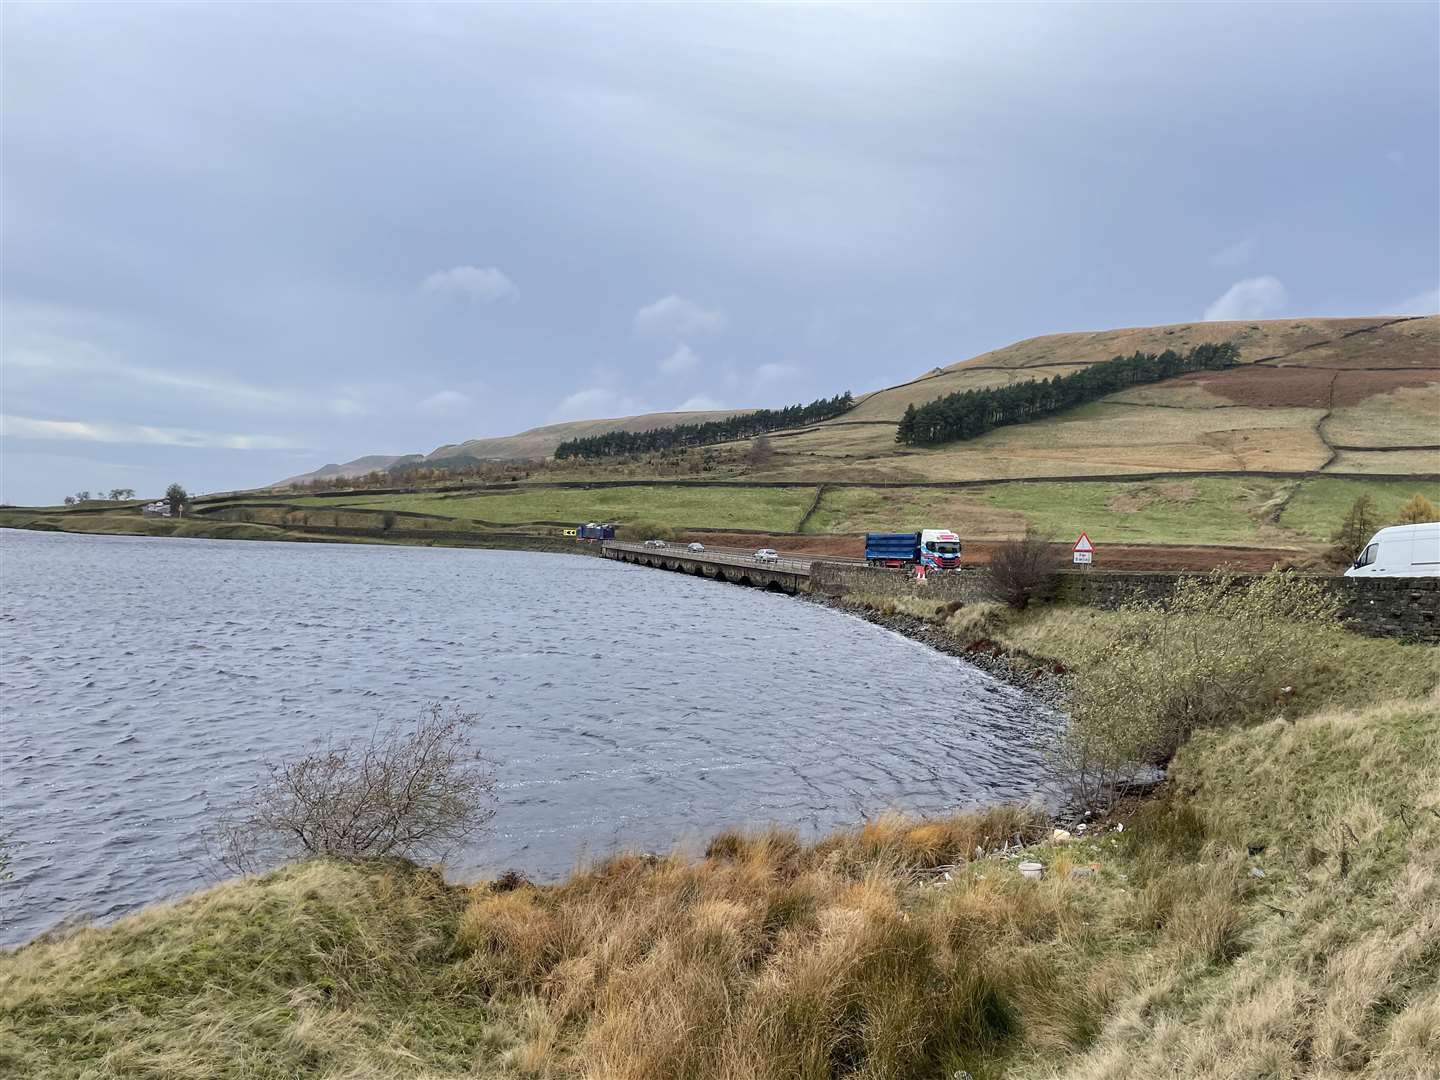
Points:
(595, 532)
(937, 549)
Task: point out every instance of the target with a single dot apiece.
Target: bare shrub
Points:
(1020, 570)
(761, 453)
(1217, 652)
(413, 790)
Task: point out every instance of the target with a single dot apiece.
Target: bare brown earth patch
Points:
(1304, 387)
(1138, 557)
(1351, 388)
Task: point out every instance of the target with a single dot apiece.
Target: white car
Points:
(767, 555)
(654, 543)
(697, 547)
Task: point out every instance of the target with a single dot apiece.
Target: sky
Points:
(244, 240)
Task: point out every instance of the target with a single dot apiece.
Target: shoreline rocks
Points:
(1046, 685)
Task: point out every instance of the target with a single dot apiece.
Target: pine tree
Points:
(905, 430)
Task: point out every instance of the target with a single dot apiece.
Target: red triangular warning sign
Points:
(1083, 544)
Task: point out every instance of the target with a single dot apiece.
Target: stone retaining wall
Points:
(1387, 607)
(848, 579)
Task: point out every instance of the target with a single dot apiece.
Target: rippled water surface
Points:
(143, 682)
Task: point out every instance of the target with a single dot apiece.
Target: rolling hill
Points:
(533, 445)
(1336, 395)
(1352, 395)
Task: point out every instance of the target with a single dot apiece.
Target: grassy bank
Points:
(852, 956)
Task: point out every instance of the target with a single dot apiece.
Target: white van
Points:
(1401, 551)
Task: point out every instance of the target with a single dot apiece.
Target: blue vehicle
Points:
(892, 549)
(595, 532)
(937, 549)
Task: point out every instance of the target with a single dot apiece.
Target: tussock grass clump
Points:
(769, 958)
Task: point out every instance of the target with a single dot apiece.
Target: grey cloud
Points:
(675, 317)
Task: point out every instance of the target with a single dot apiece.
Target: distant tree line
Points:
(681, 436)
(115, 495)
(970, 413)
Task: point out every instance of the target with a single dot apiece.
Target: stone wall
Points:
(848, 579)
(1388, 607)
(1393, 607)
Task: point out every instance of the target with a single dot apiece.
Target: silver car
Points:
(654, 543)
(767, 555)
(697, 547)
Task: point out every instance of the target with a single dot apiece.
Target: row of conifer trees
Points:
(741, 426)
(969, 413)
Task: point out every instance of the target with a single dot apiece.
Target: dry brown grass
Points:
(1334, 970)
(769, 958)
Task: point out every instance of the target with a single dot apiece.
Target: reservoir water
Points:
(144, 682)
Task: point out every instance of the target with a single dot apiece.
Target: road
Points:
(795, 564)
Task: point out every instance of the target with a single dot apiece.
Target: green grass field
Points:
(777, 509)
(1204, 510)
(1319, 505)
(1239, 511)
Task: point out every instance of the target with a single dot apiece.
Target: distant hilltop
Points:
(533, 445)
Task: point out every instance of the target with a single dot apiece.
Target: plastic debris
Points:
(1256, 872)
(1032, 870)
(1061, 836)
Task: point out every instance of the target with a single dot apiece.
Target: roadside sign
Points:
(1083, 551)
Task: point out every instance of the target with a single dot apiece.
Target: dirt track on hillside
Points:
(977, 552)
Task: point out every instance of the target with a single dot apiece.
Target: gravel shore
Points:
(1046, 683)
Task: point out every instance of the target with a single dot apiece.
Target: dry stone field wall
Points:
(1388, 607)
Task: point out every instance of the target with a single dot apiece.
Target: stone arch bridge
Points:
(788, 574)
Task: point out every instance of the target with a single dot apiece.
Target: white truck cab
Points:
(1401, 551)
(939, 549)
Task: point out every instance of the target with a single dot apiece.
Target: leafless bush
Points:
(1020, 570)
(415, 790)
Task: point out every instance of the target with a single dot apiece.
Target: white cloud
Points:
(766, 374)
(699, 403)
(480, 284)
(1249, 298)
(23, 427)
(683, 359)
(445, 401)
(596, 403)
(675, 317)
(1425, 303)
(62, 358)
(1237, 254)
